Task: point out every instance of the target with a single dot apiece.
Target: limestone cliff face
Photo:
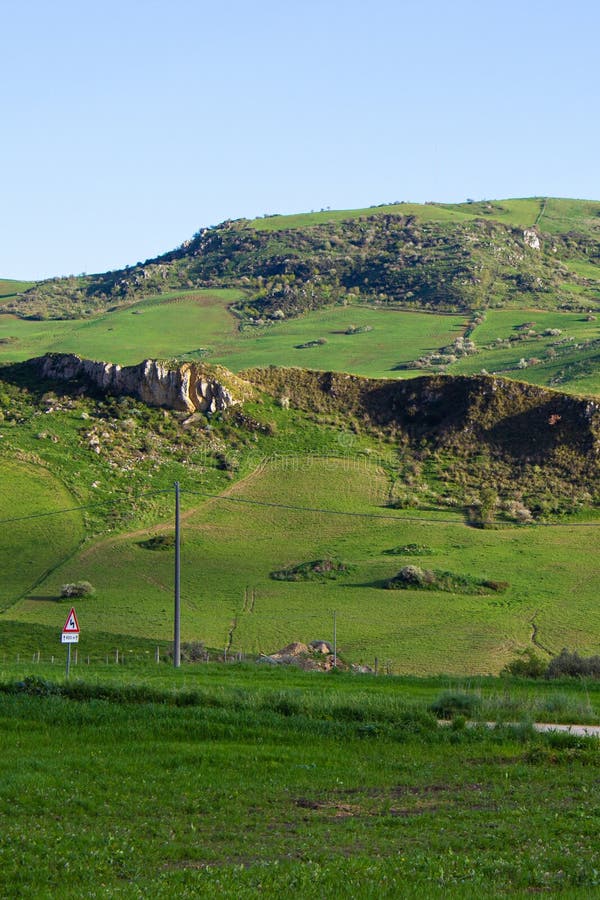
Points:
(189, 387)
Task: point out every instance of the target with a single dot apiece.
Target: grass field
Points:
(10, 288)
(512, 212)
(32, 548)
(199, 324)
(228, 548)
(182, 325)
(566, 352)
(268, 782)
(552, 214)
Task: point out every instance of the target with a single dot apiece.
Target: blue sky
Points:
(128, 125)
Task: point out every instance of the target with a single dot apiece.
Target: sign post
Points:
(70, 635)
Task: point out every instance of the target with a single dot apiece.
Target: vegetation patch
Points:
(411, 549)
(358, 329)
(77, 589)
(158, 542)
(413, 577)
(318, 342)
(316, 570)
(454, 703)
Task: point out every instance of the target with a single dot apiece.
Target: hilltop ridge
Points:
(449, 257)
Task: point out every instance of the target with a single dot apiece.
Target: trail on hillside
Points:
(163, 527)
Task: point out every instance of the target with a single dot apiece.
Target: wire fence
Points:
(116, 657)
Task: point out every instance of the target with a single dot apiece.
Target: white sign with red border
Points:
(70, 632)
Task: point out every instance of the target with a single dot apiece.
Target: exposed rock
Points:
(189, 387)
(296, 648)
(531, 238)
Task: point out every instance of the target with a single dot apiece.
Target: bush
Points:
(571, 664)
(315, 570)
(453, 703)
(527, 665)
(427, 580)
(77, 589)
(412, 575)
(159, 542)
(410, 550)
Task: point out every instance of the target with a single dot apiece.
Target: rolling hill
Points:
(541, 252)
(409, 374)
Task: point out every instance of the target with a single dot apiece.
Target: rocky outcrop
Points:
(532, 239)
(189, 387)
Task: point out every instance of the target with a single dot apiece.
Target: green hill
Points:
(454, 307)
(492, 478)
(540, 251)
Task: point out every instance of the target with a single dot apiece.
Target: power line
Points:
(367, 515)
(58, 512)
(292, 508)
(317, 509)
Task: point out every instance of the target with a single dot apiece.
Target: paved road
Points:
(579, 730)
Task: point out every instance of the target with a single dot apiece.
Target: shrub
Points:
(571, 664)
(77, 589)
(316, 570)
(454, 703)
(410, 550)
(412, 575)
(437, 580)
(527, 665)
(159, 542)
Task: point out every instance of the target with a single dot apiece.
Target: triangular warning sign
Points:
(71, 626)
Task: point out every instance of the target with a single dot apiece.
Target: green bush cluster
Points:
(316, 570)
(77, 589)
(436, 580)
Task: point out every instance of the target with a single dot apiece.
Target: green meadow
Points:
(552, 215)
(199, 325)
(31, 548)
(567, 360)
(230, 548)
(360, 339)
(10, 288)
(237, 782)
(519, 213)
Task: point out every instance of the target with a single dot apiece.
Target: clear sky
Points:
(129, 124)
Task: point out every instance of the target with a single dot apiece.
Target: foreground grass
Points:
(309, 787)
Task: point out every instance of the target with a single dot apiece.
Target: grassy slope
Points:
(228, 547)
(10, 288)
(178, 327)
(182, 325)
(29, 549)
(522, 213)
(552, 215)
(501, 323)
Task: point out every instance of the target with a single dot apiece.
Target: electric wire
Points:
(292, 508)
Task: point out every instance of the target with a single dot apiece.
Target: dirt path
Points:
(168, 525)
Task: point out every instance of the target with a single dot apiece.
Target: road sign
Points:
(70, 632)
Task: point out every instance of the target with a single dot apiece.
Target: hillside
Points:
(540, 252)
(484, 478)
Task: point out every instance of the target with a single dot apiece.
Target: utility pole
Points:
(177, 615)
(334, 640)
